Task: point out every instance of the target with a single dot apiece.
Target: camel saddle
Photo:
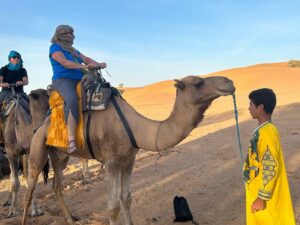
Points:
(93, 94)
(8, 105)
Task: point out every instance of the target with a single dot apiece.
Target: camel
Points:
(17, 130)
(112, 145)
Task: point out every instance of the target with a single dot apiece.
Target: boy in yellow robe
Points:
(268, 199)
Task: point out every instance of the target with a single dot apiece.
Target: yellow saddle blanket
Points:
(58, 132)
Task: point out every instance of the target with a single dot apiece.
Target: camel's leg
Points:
(35, 210)
(102, 169)
(25, 166)
(8, 201)
(85, 172)
(58, 167)
(113, 176)
(15, 184)
(125, 197)
(37, 160)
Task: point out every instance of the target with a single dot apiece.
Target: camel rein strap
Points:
(124, 121)
(236, 116)
(88, 123)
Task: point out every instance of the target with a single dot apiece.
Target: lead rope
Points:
(238, 132)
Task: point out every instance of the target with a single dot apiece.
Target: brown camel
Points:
(112, 146)
(17, 130)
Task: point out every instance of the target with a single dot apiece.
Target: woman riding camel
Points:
(13, 73)
(67, 64)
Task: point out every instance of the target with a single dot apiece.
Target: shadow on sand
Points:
(207, 171)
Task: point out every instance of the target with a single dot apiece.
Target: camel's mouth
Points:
(225, 92)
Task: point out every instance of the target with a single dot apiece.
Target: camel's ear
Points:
(179, 84)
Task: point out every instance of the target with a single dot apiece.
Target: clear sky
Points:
(146, 41)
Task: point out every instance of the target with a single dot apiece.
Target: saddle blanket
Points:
(57, 131)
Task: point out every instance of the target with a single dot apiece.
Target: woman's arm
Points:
(88, 60)
(61, 59)
(23, 82)
(1, 82)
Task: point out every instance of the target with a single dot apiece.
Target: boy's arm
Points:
(269, 151)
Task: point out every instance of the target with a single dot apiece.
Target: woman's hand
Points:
(5, 85)
(102, 65)
(19, 83)
(96, 65)
(86, 67)
(93, 65)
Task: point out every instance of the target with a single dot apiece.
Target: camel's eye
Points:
(199, 83)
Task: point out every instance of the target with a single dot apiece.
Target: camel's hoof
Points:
(75, 218)
(13, 213)
(7, 203)
(72, 220)
(36, 212)
(86, 181)
(112, 223)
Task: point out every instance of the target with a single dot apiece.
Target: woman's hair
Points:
(264, 96)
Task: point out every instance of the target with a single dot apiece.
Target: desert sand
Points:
(205, 167)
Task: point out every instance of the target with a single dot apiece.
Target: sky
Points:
(147, 41)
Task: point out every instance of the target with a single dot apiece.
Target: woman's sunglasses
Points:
(66, 33)
(16, 57)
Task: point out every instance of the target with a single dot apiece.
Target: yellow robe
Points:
(265, 177)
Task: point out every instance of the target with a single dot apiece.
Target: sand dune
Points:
(205, 167)
(282, 79)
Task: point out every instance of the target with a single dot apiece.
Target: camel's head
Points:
(198, 91)
(39, 100)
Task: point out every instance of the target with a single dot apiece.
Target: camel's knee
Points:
(113, 212)
(126, 199)
(37, 163)
(15, 185)
(114, 208)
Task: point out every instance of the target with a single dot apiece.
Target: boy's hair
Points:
(264, 96)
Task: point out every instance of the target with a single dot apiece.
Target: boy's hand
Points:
(258, 205)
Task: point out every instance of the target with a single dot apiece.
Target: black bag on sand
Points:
(182, 210)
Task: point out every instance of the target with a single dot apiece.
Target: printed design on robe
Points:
(269, 165)
(252, 157)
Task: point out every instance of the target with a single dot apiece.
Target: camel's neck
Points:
(38, 115)
(159, 135)
(37, 118)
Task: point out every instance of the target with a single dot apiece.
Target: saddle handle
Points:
(12, 87)
(97, 73)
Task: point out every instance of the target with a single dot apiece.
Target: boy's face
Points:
(255, 111)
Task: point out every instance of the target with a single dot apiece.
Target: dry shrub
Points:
(294, 63)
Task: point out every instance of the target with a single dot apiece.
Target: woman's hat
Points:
(14, 54)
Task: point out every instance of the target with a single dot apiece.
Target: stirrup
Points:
(72, 146)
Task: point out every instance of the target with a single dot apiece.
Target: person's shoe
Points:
(72, 146)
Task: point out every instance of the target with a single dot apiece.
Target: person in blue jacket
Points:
(67, 64)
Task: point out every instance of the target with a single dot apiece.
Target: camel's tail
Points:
(46, 172)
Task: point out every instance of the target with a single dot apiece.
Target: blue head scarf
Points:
(17, 66)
